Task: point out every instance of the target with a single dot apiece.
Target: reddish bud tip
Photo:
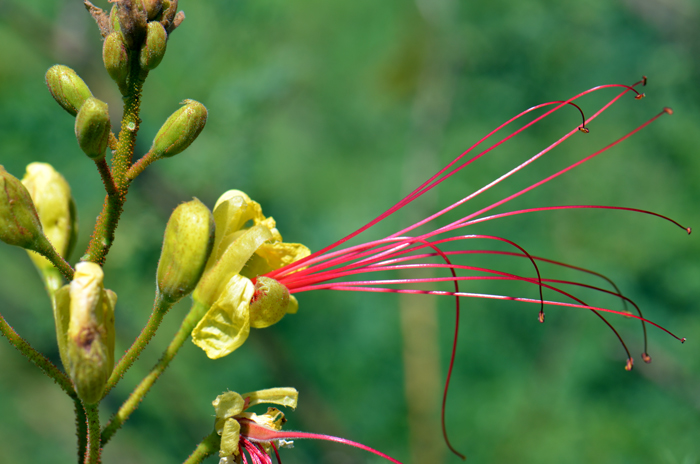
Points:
(646, 358)
(668, 110)
(584, 129)
(629, 365)
(540, 316)
(644, 80)
(689, 230)
(640, 96)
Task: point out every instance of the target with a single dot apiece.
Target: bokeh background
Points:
(329, 112)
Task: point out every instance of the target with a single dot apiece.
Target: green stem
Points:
(209, 445)
(160, 309)
(47, 250)
(38, 359)
(106, 176)
(81, 428)
(195, 315)
(141, 165)
(103, 234)
(93, 435)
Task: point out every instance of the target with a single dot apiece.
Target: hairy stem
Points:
(144, 387)
(38, 359)
(160, 309)
(47, 250)
(209, 445)
(93, 436)
(81, 428)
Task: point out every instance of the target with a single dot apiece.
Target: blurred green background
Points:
(329, 112)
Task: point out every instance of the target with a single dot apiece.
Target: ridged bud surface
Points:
(116, 59)
(188, 241)
(152, 7)
(56, 209)
(19, 221)
(153, 48)
(67, 88)
(180, 129)
(269, 303)
(92, 128)
(88, 343)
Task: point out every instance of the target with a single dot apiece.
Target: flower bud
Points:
(85, 326)
(188, 241)
(180, 129)
(56, 209)
(19, 221)
(269, 303)
(114, 19)
(116, 59)
(67, 88)
(152, 7)
(153, 48)
(92, 128)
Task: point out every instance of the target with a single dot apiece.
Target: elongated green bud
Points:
(269, 303)
(86, 340)
(180, 129)
(19, 221)
(56, 209)
(188, 241)
(116, 59)
(153, 48)
(67, 88)
(92, 128)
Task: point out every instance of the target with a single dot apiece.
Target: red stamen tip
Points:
(646, 358)
(640, 96)
(540, 316)
(629, 365)
(689, 230)
(644, 80)
(584, 129)
(683, 340)
(668, 110)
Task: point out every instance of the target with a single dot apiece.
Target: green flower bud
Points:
(56, 209)
(114, 19)
(19, 221)
(92, 128)
(153, 48)
(84, 313)
(67, 88)
(116, 59)
(152, 7)
(269, 303)
(188, 241)
(180, 129)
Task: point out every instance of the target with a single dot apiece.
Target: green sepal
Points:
(67, 88)
(92, 128)
(180, 129)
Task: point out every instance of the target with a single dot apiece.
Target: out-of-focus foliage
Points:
(326, 113)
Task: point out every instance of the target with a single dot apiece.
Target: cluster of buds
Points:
(136, 34)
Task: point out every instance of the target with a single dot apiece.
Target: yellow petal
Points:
(229, 264)
(284, 396)
(227, 405)
(230, 436)
(227, 323)
(279, 254)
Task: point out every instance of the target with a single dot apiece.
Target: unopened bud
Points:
(152, 7)
(56, 209)
(188, 241)
(269, 303)
(89, 340)
(114, 19)
(67, 88)
(92, 128)
(180, 129)
(19, 221)
(116, 59)
(153, 48)
(132, 22)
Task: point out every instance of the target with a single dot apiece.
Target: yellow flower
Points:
(231, 418)
(246, 245)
